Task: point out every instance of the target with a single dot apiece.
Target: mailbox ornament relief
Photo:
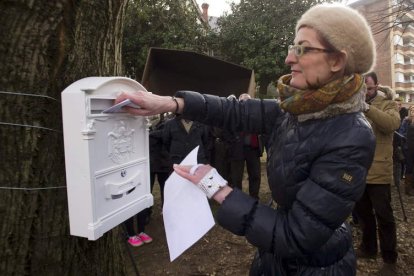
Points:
(89, 131)
(121, 142)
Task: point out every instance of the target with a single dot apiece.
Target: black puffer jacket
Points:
(316, 171)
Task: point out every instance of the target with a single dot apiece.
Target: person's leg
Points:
(253, 171)
(381, 201)
(152, 180)
(397, 172)
(364, 212)
(236, 171)
(227, 169)
(354, 221)
(133, 239)
(162, 177)
(220, 158)
(409, 177)
(141, 221)
(402, 165)
(409, 184)
(129, 226)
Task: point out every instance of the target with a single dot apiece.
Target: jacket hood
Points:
(387, 92)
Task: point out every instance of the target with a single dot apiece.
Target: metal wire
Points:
(29, 95)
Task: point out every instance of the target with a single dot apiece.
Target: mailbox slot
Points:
(97, 105)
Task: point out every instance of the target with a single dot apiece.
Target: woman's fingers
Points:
(192, 173)
(184, 171)
(183, 168)
(121, 97)
(194, 168)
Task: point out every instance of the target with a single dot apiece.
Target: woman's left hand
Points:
(185, 172)
(197, 174)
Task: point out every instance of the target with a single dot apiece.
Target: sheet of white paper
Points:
(186, 212)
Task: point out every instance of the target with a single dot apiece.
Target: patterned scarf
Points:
(296, 101)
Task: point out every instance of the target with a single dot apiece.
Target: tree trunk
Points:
(45, 46)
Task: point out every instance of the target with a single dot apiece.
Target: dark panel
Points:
(167, 71)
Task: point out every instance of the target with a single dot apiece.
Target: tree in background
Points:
(45, 46)
(257, 34)
(171, 24)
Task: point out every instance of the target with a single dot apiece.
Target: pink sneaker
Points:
(144, 237)
(135, 241)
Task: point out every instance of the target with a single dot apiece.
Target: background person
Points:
(181, 136)
(374, 208)
(399, 146)
(160, 162)
(245, 151)
(221, 151)
(222, 141)
(409, 176)
(321, 147)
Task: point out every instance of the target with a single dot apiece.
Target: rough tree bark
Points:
(45, 46)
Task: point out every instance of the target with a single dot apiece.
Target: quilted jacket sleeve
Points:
(253, 116)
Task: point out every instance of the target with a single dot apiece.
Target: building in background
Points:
(211, 20)
(392, 23)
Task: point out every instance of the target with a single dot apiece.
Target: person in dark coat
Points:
(399, 146)
(160, 161)
(321, 147)
(245, 151)
(181, 136)
(221, 150)
(409, 173)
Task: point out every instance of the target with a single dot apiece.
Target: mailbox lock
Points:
(123, 173)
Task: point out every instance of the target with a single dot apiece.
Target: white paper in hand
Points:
(186, 212)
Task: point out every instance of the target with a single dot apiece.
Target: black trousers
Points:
(141, 221)
(253, 170)
(397, 172)
(375, 208)
(161, 177)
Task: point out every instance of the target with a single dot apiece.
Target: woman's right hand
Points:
(150, 104)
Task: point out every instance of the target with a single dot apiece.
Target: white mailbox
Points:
(106, 156)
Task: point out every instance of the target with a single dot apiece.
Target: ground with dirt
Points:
(222, 253)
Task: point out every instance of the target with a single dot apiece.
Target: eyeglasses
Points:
(300, 50)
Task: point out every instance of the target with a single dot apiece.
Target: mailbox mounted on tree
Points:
(106, 156)
(167, 71)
